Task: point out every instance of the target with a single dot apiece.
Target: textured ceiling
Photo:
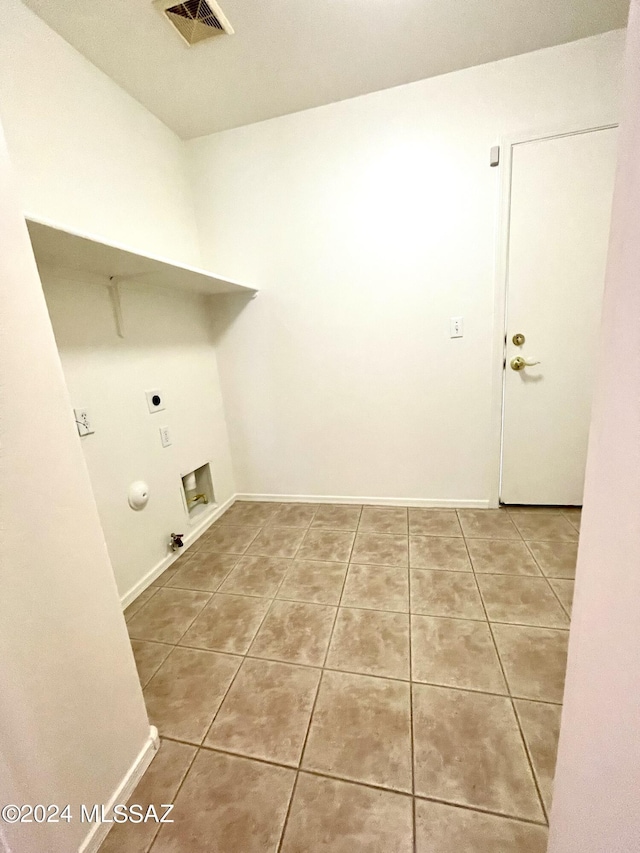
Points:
(289, 55)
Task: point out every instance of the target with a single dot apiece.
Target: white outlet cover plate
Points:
(83, 422)
(155, 407)
(165, 436)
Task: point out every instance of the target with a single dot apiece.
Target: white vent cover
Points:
(195, 20)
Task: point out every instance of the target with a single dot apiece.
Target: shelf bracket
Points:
(114, 293)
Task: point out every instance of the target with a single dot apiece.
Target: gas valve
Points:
(176, 541)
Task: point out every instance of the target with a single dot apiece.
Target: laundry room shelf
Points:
(59, 247)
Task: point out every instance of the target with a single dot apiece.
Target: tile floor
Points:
(346, 678)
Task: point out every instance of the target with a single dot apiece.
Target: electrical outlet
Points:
(165, 436)
(83, 422)
(155, 401)
(456, 327)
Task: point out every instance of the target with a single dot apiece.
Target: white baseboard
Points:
(216, 512)
(163, 565)
(98, 831)
(436, 503)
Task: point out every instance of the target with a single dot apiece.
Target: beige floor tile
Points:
(377, 588)
(159, 785)
(259, 576)
(266, 712)
(340, 817)
(445, 594)
(455, 653)
(361, 730)
(337, 517)
(523, 601)
(249, 514)
(332, 546)
(541, 727)
(564, 591)
(556, 559)
(434, 522)
(573, 514)
(228, 805)
(185, 693)
(293, 515)
(502, 557)
(227, 539)
(438, 552)
(167, 615)
(487, 524)
(204, 571)
(447, 829)
(468, 750)
(149, 657)
(545, 526)
(166, 576)
(313, 581)
(370, 642)
(277, 542)
(534, 660)
(139, 602)
(381, 549)
(384, 519)
(227, 624)
(295, 632)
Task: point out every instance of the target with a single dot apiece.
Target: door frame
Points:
(501, 266)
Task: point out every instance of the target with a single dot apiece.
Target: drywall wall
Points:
(92, 159)
(89, 157)
(167, 345)
(368, 224)
(72, 716)
(596, 806)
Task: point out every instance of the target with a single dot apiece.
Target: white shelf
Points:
(59, 247)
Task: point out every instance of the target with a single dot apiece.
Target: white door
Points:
(560, 207)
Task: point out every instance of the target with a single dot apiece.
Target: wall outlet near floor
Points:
(456, 327)
(83, 422)
(165, 436)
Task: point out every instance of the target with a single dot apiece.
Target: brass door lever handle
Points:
(519, 363)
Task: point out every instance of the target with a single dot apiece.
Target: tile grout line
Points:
(179, 788)
(256, 657)
(413, 750)
(244, 658)
(370, 785)
(315, 699)
(511, 700)
(549, 584)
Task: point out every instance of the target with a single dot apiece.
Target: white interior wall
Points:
(167, 345)
(72, 716)
(596, 806)
(88, 155)
(91, 158)
(367, 224)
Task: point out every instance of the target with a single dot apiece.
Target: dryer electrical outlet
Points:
(155, 400)
(83, 422)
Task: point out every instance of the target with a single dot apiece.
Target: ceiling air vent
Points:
(195, 20)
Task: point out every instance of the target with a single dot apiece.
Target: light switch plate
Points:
(456, 327)
(165, 436)
(155, 400)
